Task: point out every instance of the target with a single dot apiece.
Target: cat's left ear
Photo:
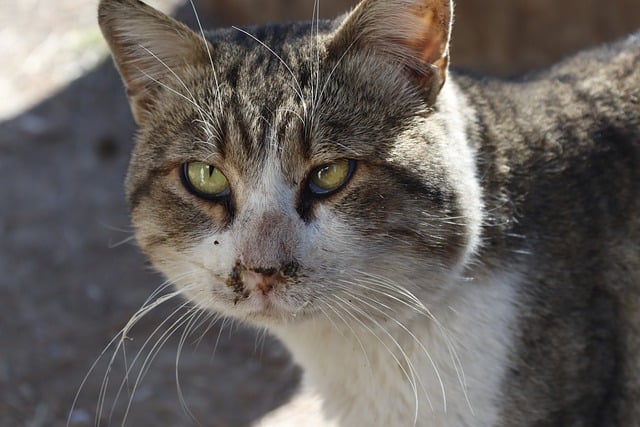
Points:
(151, 50)
(413, 33)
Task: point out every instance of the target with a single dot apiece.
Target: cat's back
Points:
(559, 161)
(563, 144)
(580, 122)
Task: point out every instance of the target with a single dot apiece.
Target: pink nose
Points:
(260, 281)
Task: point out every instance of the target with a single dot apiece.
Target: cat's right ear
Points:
(150, 49)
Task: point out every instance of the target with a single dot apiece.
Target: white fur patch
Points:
(364, 385)
(459, 160)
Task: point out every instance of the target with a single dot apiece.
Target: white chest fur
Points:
(451, 369)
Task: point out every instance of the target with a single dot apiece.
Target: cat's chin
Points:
(272, 316)
(261, 311)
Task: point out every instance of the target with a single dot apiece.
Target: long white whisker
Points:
(225, 321)
(178, 78)
(153, 352)
(121, 242)
(196, 314)
(315, 62)
(190, 99)
(415, 304)
(410, 375)
(124, 384)
(120, 339)
(184, 97)
(355, 335)
(207, 46)
(298, 88)
(335, 67)
(363, 299)
(151, 303)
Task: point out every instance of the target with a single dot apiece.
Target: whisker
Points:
(207, 46)
(191, 100)
(225, 321)
(411, 377)
(196, 314)
(260, 339)
(212, 318)
(212, 133)
(412, 335)
(155, 349)
(315, 19)
(335, 67)
(121, 242)
(129, 367)
(175, 92)
(419, 307)
(119, 338)
(355, 335)
(298, 88)
(118, 341)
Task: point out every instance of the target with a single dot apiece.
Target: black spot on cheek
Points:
(216, 243)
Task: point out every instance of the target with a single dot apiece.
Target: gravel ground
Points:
(70, 276)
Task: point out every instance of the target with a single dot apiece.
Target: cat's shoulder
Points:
(616, 61)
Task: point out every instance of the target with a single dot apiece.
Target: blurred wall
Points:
(495, 36)
(507, 36)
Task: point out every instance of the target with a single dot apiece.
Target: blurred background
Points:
(70, 276)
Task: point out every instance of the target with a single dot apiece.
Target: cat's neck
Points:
(455, 357)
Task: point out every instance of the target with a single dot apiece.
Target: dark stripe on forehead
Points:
(264, 125)
(222, 139)
(240, 126)
(232, 76)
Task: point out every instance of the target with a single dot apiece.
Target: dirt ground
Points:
(70, 276)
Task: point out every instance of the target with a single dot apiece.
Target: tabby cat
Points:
(435, 249)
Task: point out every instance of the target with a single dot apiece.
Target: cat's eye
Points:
(330, 177)
(205, 180)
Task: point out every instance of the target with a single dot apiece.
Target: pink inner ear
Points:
(427, 40)
(431, 42)
(414, 33)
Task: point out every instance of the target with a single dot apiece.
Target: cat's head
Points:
(294, 170)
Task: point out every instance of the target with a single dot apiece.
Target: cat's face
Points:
(295, 171)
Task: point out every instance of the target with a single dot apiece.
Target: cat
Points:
(434, 248)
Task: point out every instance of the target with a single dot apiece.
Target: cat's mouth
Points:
(257, 307)
(261, 294)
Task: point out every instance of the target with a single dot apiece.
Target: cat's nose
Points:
(262, 280)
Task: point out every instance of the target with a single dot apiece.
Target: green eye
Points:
(329, 178)
(205, 180)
